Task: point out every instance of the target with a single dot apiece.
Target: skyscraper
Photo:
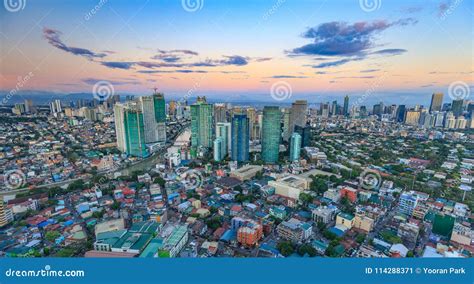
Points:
(240, 138)
(436, 102)
(401, 113)
(346, 106)
(220, 113)
(297, 115)
(295, 147)
(305, 133)
(119, 111)
(55, 107)
(219, 149)
(286, 123)
(201, 124)
(457, 108)
(271, 134)
(223, 130)
(134, 130)
(154, 117)
(159, 105)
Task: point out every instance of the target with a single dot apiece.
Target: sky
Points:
(239, 49)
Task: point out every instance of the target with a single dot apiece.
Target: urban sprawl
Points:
(146, 177)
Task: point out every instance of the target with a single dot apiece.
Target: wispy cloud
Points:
(54, 38)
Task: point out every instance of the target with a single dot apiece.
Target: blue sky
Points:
(239, 47)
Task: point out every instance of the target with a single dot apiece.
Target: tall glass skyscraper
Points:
(134, 130)
(295, 147)
(271, 134)
(240, 138)
(160, 107)
(346, 106)
(201, 124)
(223, 130)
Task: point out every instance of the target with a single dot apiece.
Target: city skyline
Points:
(316, 48)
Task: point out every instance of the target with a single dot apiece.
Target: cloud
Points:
(93, 81)
(174, 55)
(390, 51)
(234, 60)
(287, 77)
(54, 38)
(369, 70)
(190, 71)
(118, 65)
(356, 77)
(343, 39)
(337, 62)
(346, 42)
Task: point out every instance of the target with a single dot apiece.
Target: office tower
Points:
(295, 147)
(427, 120)
(6, 215)
(324, 110)
(223, 130)
(219, 149)
(305, 133)
(252, 115)
(240, 138)
(401, 113)
(159, 105)
(119, 110)
(55, 107)
(286, 123)
(201, 123)
(470, 107)
(407, 203)
(297, 115)
(438, 120)
(89, 114)
(450, 121)
(436, 102)
(220, 113)
(134, 132)
(457, 107)
(412, 117)
(346, 106)
(378, 109)
(271, 134)
(334, 108)
(29, 106)
(461, 123)
(154, 117)
(363, 111)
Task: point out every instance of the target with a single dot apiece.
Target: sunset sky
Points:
(238, 47)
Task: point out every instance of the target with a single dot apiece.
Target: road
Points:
(141, 165)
